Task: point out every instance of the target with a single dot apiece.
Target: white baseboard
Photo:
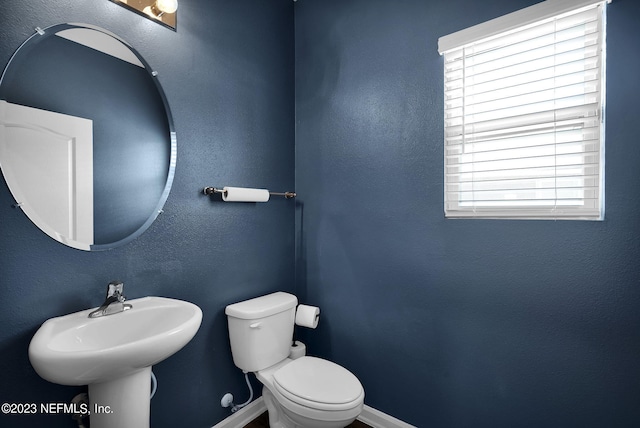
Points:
(370, 416)
(377, 419)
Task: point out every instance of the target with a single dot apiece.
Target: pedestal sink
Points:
(113, 354)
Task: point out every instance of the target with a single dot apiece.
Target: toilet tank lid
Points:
(264, 306)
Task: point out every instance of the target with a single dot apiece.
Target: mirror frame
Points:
(172, 135)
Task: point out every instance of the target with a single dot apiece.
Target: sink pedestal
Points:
(122, 402)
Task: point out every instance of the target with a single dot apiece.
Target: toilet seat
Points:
(318, 384)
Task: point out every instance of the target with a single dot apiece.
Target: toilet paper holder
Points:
(211, 190)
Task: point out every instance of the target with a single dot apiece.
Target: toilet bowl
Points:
(312, 393)
(307, 392)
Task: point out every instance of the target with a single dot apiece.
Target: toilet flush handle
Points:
(255, 325)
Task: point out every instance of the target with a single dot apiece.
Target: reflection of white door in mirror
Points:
(47, 161)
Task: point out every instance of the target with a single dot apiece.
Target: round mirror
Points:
(87, 145)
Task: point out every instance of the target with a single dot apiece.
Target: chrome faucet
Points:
(114, 302)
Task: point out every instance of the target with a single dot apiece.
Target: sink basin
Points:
(77, 350)
(114, 352)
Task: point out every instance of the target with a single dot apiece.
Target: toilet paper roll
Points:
(242, 194)
(298, 349)
(307, 316)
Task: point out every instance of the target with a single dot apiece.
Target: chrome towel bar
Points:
(211, 190)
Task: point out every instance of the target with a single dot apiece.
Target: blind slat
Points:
(499, 72)
(479, 110)
(586, 137)
(562, 27)
(571, 130)
(568, 71)
(474, 95)
(523, 183)
(542, 172)
(522, 153)
(535, 119)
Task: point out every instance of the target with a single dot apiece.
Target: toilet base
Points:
(274, 410)
(280, 417)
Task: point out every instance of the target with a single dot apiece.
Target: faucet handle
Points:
(115, 289)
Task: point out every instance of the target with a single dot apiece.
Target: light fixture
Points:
(160, 7)
(163, 12)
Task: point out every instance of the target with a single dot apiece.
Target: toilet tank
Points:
(261, 330)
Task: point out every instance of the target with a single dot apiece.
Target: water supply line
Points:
(79, 401)
(154, 385)
(236, 407)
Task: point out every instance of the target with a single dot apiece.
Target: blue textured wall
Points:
(447, 323)
(227, 73)
(456, 323)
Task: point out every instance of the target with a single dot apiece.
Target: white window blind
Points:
(524, 119)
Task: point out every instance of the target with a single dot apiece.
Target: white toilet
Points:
(306, 392)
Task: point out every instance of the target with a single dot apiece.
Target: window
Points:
(524, 117)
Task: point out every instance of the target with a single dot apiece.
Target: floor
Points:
(262, 421)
